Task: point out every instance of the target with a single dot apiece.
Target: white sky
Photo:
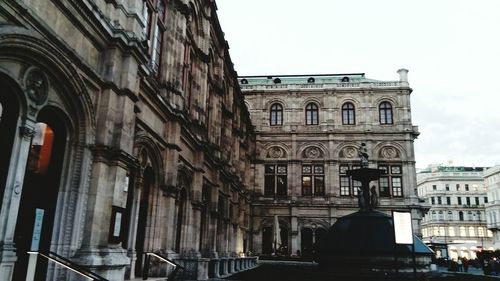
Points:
(451, 48)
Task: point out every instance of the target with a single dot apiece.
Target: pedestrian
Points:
(460, 265)
(466, 264)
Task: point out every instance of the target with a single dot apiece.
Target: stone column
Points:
(12, 198)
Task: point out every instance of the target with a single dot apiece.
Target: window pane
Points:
(270, 169)
(397, 187)
(356, 186)
(306, 169)
(395, 169)
(281, 169)
(343, 169)
(318, 169)
(281, 187)
(269, 185)
(344, 185)
(383, 186)
(306, 186)
(319, 185)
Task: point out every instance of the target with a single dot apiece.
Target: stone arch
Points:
(316, 101)
(149, 155)
(389, 99)
(279, 101)
(275, 151)
(355, 102)
(37, 52)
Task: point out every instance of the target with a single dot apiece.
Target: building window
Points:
(348, 186)
(439, 200)
(275, 180)
(458, 187)
(467, 201)
(459, 200)
(385, 113)
(472, 231)
(485, 200)
(461, 215)
(311, 114)
(448, 201)
(434, 187)
(276, 115)
(156, 48)
(432, 200)
(447, 186)
(348, 114)
(313, 180)
(462, 231)
(440, 215)
(390, 184)
(466, 187)
(450, 215)
(451, 231)
(477, 200)
(480, 232)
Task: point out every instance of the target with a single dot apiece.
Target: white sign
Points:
(118, 224)
(402, 227)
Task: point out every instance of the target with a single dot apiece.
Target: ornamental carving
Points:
(36, 86)
(312, 152)
(349, 152)
(276, 152)
(389, 153)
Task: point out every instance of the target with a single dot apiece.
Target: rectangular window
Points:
(477, 200)
(313, 180)
(439, 200)
(391, 183)
(485, 200)
(448, 201)
(433, 201)
(466, 187)
(275, 180)
(156, 49)
(434, 187)
(462, 231)
(458, 187)
(447, 186)
(451, 231)
(459, 200)
(467, 201)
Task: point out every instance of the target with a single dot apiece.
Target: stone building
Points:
(455, 226)
(492, 185)
(124, 122)
(308, 130)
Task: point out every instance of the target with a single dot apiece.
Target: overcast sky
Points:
(450, 47)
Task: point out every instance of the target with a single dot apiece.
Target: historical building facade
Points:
(308, 130)
(455, 226)
(123, 132)
(492, 185)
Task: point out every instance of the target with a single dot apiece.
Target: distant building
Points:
(492, 185)
(308, 130)
(455, 226)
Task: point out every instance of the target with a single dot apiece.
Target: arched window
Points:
(385, 113)
(276, 115)
(311, 114)
(348, 115)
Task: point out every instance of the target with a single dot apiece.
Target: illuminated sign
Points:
(402, 227)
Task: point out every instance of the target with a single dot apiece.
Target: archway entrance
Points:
(148, 181)
(9, 114)
(40, 189)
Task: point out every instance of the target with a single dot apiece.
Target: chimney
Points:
(403, 75)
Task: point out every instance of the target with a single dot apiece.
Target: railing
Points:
(171, 276)
(53, 257)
